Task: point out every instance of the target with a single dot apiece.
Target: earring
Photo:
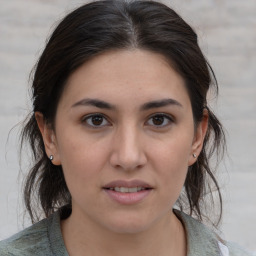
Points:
(194, 155)
(51, 157)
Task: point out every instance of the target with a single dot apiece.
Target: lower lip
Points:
(128, 198)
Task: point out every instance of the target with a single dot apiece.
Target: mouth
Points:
(127, 192)
(124, 186)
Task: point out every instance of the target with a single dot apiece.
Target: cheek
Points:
(81, 158)
(174, 151)
(81, 168)
(171, 160)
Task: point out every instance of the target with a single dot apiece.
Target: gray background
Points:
(227, 34)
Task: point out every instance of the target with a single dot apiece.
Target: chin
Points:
(129, 224)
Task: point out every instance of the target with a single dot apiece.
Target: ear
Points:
(199, 136)
(49, 138)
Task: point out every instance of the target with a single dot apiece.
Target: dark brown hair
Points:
(98, 27)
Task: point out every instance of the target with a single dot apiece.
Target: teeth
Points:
(127, 190)
(133, 190)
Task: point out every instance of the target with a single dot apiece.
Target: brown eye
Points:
(96, 121)
(159, 120)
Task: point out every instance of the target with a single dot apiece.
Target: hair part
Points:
(99, 27)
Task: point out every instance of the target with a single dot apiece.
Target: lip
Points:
(127, 184)
(127, 198)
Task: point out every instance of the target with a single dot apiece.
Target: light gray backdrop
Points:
(227, 32)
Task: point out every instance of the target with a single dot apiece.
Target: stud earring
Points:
(194, 155)
(51, 157)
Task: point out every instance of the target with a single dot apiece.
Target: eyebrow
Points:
(94, 102)
(105, 105)
(160, 103)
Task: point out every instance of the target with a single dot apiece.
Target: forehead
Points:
(119, 76)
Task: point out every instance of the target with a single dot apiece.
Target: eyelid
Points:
(84, 119)
(167, 116)
(88, 116)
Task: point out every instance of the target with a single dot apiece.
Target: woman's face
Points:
(124, 135)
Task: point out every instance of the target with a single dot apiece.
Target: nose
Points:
(128, 152)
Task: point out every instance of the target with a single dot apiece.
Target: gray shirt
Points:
(45, 239)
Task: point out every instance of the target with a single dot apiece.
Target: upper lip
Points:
(127, 184)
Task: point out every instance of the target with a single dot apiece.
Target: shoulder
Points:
(236, 250)
(201, 240)
(33, 240)
(204, 241)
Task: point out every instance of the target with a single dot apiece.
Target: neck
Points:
(164, 238)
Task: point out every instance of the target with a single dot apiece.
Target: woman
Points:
(121, 133)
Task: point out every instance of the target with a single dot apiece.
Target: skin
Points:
(126, 142)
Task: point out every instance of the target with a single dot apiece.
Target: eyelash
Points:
(89, 117)
(167, 119)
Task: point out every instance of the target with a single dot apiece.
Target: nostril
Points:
(128, 161)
